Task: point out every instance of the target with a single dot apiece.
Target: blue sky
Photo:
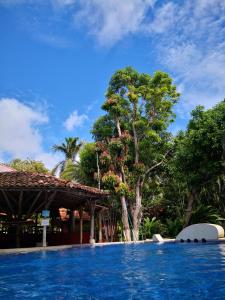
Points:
(57, 56)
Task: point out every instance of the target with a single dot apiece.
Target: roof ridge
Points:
(7, 166)
(39, 179)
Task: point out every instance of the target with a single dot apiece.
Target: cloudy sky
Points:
(57, 56)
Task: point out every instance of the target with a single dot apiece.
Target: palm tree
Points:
(70, 148)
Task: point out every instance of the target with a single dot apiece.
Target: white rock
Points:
(206, 231)
(157, 238)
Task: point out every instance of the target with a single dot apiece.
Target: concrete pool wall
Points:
(61, 247)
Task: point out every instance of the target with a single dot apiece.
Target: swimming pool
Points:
(136, 271)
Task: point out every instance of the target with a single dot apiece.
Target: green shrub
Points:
(150, 227)
(173, 227)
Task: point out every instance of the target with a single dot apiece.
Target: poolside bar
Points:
(23, 196)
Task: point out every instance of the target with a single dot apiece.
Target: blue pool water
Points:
(141, 271)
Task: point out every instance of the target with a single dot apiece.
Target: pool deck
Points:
(62, 247)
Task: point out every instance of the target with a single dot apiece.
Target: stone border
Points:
(62, 247)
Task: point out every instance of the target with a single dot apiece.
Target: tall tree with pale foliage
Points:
(138, 111)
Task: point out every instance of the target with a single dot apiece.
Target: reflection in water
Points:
(222, 250)
(146, 271)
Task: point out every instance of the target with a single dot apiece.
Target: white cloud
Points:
(187, 37)
(75, 120)
(163, 19)
(192, 48)
(189, 40)
(20, 132)
(18, 128)
(110, 21)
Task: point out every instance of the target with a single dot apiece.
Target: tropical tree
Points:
(132, 137)
(70, 149)
(28, 165)
(198, 164)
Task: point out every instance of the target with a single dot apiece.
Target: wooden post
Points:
(18, 234)
(105, 227)
(92, 227)
(72, 221)
(100, 227)
(81, 224)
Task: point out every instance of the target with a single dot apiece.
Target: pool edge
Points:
(62, 247)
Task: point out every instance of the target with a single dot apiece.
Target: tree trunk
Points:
(136, 146)
(191, 198)
(118, 127)
(137, 214)
(100, 227)
(125, 219)
(92, 223)
(137, 211)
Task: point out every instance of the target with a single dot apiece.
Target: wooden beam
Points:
(51, 199)
(28, 198)
(11, 197)
(7, 201)
(34, 202)
(3, 210)
(38, 208)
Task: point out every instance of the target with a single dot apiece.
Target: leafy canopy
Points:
(29, 165)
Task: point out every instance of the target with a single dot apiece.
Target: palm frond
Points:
(57, 167)
(59, 148)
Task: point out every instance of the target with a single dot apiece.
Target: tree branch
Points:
(155, 166)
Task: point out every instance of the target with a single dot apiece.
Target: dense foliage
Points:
(197, 167)
(28, 165)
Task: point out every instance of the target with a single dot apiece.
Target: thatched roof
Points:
(24, 191)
